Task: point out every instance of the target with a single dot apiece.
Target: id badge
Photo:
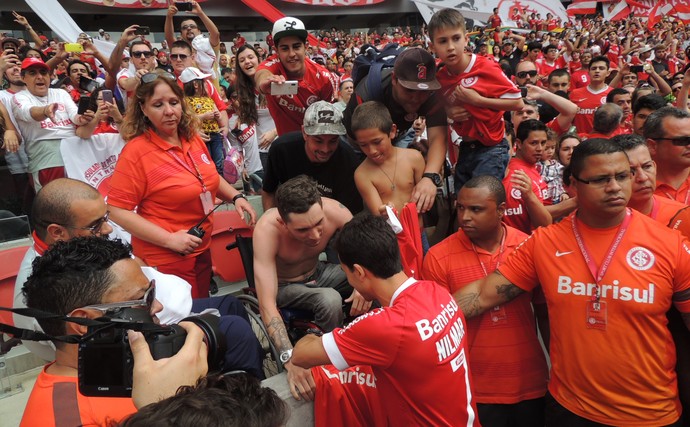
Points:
(498, 315)
(596, 315)
(206, 202)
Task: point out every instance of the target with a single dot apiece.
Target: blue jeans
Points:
(215, 147)
(243, 351)
(321, 294)
(477, 159)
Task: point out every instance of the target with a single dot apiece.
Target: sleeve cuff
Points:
(333, 352)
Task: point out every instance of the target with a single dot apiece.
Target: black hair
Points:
(369, 241)
(654, 125)
(652, 102)
(493, 184)
(527, 126)
(629, 141)
(616, 91)
(70, 275)
(591, 147)
(296, 195)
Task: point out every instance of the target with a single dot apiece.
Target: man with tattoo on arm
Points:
(287, 242)
(609, 275)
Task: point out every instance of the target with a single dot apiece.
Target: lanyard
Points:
(687, 196)
(599, 272)
(194, 172)
(500, 253)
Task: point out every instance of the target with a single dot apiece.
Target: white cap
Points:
(192, 73)
(288, 26)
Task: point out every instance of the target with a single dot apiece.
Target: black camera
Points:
(105, 359)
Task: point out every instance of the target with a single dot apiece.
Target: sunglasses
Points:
(681, 141)
(151, 77)
(180, 56)
(146, 301)
(95, 228)
(144, 53)
(524, 74)
(189, 27)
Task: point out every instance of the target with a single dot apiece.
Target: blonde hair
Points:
(135, 123)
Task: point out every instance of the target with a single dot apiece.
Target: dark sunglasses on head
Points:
(176, 56)
(524, 74)
(144, 53)
(150, 77)
(680, 141)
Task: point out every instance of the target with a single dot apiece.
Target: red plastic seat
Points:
(10, 259)
(226, 226)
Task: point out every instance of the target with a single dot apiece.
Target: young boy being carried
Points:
(477, 93)
(388, 175)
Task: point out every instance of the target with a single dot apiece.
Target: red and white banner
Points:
(582, 7)
(92, 160)
(616, 11)
(666, 8)
(335, 2)
(268, 11)
(135, 4)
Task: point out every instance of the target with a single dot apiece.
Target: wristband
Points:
(239, 196)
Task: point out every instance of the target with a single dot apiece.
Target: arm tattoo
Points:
(508, 291)
(469, 304)
(278, 333)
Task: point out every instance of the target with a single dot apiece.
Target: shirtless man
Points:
(287, 242)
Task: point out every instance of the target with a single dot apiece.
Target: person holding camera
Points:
(67, 279)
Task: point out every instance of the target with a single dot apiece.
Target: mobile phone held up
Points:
(107, 96)
(183, 6)
(84, 104)
(288, 87)
(142, 31)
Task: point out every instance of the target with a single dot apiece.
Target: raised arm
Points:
(168, 27)
(213, 33)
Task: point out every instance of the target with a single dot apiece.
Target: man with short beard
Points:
(206, 47)
(45, 116)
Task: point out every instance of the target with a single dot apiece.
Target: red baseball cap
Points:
(34, 62)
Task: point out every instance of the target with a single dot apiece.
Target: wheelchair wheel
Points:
(271, 360)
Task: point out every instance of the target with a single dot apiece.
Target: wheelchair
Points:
(298, 323)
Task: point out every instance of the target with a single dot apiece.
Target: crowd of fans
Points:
(489, 117)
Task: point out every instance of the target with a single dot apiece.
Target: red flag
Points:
(268, 11)
(582, 7)
(616, 11)
(661, 9)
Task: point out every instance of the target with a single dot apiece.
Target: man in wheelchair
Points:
(288, 240)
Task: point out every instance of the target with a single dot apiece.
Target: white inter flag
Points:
(582, 7)
(616, 11)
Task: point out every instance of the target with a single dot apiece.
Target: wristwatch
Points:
(285, 356)
(238, 196)
(434, 177)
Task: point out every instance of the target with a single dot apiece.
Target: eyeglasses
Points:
(603, 181)
(139, 54)
(180, 56)
(146, 301)
(680, 141)
(189, 27)
(94, 229)
(151, 77)
(524, 74)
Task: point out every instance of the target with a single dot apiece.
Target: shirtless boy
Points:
(388, 175)
(287, 242)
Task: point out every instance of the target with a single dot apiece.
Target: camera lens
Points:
(214, 338)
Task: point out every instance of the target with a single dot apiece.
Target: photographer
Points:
(69, 277)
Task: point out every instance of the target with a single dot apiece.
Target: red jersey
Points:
(545, 68)
(317, 84)
(416, 348)
(494, 21)
(587, 101)
(486, 78)
(613, 54)
(616, 366)
(579, 79)
(672, 214)
(516, 214)
(508, 364)
(682, 194)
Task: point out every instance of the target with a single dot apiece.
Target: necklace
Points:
(395, 169)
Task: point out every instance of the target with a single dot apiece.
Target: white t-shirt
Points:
(17, 162)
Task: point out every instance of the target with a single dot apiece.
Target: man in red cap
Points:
(45, 116)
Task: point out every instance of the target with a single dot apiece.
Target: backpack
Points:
(233, 165)
(370, 63)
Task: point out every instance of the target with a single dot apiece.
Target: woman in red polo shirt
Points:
(165, 183)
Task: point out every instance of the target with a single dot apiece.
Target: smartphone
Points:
(87, 84)
(288, 87)
(107, 96)
(142, 31)
(74, 47)
(84, 104)
(523, 91)
(636, 68)
(183, 5)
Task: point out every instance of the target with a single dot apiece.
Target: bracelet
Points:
(238, 196)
